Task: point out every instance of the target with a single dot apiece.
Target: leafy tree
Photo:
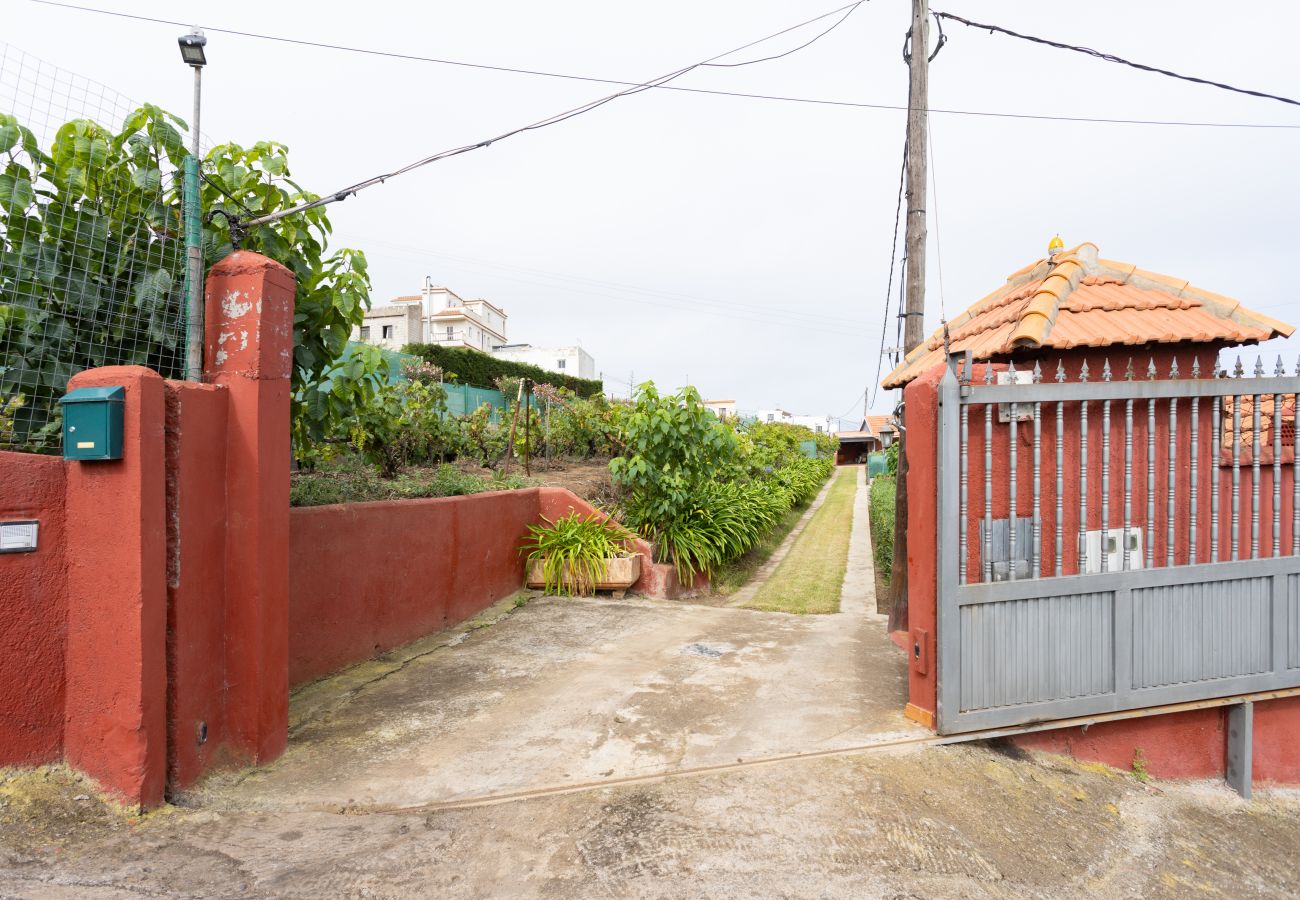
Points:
(92, 261)
(675, 446)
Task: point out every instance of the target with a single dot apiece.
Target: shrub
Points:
(804, 477)
(482, 369)
(484, 439)
(882, 524)
(349, 479)
(403, 424)
(573, 550)
(674, 447)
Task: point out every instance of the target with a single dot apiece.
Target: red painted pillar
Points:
(249, 351)
(115, 714)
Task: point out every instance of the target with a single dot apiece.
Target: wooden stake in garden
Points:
(528, 425)
(514, 420)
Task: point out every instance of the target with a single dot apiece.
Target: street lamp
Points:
(192, 55)
(192, 48)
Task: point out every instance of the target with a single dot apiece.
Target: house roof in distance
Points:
(1075, 299)
(876, 423)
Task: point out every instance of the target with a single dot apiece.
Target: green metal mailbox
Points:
(92, 423)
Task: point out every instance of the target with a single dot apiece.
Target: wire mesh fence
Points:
(92, 254)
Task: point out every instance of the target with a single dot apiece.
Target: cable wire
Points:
(543, 123)
(889, 287)
(850, 104)
(1112, 58)
(934, 202)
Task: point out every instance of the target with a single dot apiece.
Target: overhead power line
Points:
(889, 287)
(567, 76)
(1112, 58)
(343, 194)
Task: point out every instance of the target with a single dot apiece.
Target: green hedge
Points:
(480, 369)
(882, 524)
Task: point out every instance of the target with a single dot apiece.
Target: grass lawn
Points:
(810, 577)
(732, 577)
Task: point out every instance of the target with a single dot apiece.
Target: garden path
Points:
(746, 594)
(567, 691)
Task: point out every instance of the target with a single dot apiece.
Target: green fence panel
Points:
(808, 449)
(877, 464)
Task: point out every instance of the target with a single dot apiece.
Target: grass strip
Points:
(810, 577)
(731, 577)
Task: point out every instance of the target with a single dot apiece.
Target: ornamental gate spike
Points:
(1259, 367)
(1238, 370)
(988, 372)
(1060, 372)
(1038, 373)
(1196, 367)
(1151, 369)
(1128, 370)
(1173, 369)
(1280, 370)
(1083, 371)
(1105, 370)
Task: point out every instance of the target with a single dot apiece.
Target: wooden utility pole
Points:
(918, 105)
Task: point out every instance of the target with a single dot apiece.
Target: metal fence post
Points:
(947, 544)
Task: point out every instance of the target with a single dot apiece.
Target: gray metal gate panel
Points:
(1159, 631)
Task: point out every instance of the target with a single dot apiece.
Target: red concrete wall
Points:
(196, 540)
(33, 613)
(115, 711)
(1185, 745)
(367, 577)
(248, 324)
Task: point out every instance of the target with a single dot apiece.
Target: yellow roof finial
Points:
(1054, 246)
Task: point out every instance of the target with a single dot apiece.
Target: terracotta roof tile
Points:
(876, 423)
(1078, 300)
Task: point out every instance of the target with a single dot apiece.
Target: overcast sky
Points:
(740, 244)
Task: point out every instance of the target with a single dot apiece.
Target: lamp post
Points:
(192, 54)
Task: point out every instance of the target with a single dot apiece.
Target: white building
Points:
(391, 327)
(444, 317)
(723, 409)
(820, 424)
(565, 360)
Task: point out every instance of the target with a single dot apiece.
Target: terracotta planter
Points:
(621, 572)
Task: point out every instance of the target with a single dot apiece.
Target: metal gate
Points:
(1112, 541)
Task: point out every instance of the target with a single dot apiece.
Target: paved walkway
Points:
(567, 691)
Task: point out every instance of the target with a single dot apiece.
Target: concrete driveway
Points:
(569, 691)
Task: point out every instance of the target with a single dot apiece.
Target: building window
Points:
(819, 429)
(387, 332)
(771, 417)
(365, 332)
(559, 363)
(451, 333)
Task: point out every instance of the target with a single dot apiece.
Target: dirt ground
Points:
(588, 478)
(955, 821)
(591, 748)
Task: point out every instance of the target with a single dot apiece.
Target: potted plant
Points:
(579, 555)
